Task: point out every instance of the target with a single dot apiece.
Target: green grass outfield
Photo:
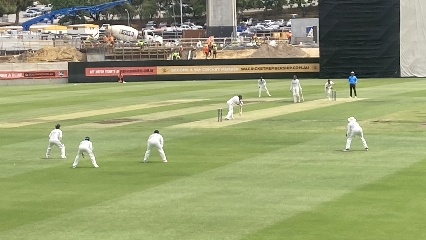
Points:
(277, 172)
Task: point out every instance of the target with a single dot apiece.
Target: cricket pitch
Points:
(264, 113)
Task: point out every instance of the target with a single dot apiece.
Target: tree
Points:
(274, 5)
(21, 5)
(243, 5)
(148, 9)
(198, 7)
(301, 4)
(7, 7)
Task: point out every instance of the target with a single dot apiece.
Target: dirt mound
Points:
(50, 54)
(279, 51)
(228, 54)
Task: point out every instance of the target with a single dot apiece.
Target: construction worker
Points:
(206, 50)
(288, 34)
(141, 43)
(175, 55)
(105, 39)
(181, 51)
(210, 49)
(214, 50)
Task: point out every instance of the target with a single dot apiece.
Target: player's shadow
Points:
(153, 162)
(356, 150)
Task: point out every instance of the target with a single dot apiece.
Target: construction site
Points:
(132, 51)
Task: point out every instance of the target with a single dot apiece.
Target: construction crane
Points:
(70, 11)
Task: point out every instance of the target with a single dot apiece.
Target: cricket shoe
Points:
(346, 150)
(74, 166)
(144, 161)
(96, 166)
(366, 149)
(47, 156)
(270, 95)
(165, 160)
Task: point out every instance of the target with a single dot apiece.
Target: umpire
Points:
(352, 83)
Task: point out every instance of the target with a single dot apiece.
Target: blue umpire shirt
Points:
(352, 79)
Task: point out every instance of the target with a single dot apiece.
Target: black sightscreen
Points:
(360, 36)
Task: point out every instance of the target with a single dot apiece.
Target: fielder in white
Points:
(85, 146)
(296, 88)
(328, 87)
(261, 83)
(238, 100)
(155, 140)
(354, 130)
(55, 138)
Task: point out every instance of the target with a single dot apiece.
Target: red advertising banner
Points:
(114, 71)
(5, 75)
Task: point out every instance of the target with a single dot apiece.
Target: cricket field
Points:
(276, 172)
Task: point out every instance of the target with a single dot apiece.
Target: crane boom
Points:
(71, 10)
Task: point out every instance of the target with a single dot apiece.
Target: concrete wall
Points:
(33, 66)
(298, 30)
(15, 68)
(221, 17)
(33, 81)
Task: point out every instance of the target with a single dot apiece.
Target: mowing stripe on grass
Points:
(232, 201)
(97, 112)
(162, 115)
(264, 113)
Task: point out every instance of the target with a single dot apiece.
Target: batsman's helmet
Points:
(351, 119)
(87, 138)
(240, 97)
(156, 131)
(57, 126)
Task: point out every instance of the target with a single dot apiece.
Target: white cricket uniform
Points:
(155, 140)
(231, 102)
(261, 83)
(55, 138)
(296, 88)
(353, 130)
(85, 147)
(327, 88)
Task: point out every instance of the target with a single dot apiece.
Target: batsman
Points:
(328, 87)
(238, 100)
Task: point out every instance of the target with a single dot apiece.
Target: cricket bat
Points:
(301, 94)
(241, 110)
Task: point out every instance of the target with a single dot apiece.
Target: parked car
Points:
(151, 24)
(272, 27)
(247, 21)
(288, 23)
(193, 26)
(163, 24)
(185, 27)
(268, 22)
(281, 22)
(30, 13)
(37, 11)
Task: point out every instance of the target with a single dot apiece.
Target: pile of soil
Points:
(279, 51)
(50, 54)
(264, 51)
